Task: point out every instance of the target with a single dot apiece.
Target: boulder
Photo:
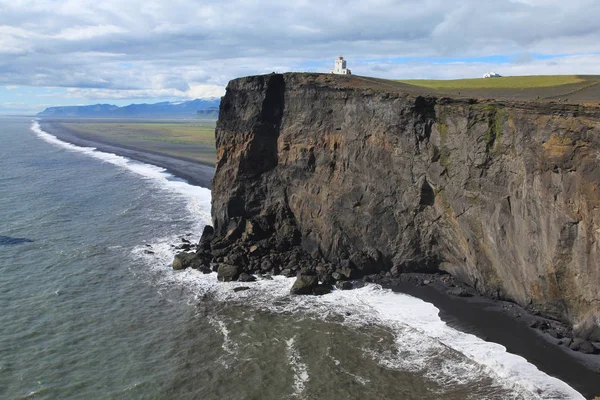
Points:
(288, 273)
(244, 277)
(555, 333)
(566, 342)
(190, 260)
(344, 285)
(241, 288)
(337, 276)
(588, 348)
(347, 272)
(254, 250)
(305, 284)
(576, 344)
(322, 290)
(227, 273)
(266, 265)
(207, 236)
(327, 279)
(583, 346)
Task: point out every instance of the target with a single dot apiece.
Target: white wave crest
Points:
(299, 368)
(197, 198)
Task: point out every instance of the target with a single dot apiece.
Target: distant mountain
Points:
(192, 108)
(210, 112)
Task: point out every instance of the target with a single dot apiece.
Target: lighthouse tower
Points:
(340, 67)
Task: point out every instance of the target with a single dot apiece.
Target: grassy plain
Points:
(508, 82)
(573, 88)
(190, 140)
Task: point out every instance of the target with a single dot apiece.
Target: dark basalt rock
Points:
(227, 273)
(305, 284)
(583, 346)
(344, 285)
(244, 277)
(205, 239)
(322, 290)
(191, 260)
(457, 186)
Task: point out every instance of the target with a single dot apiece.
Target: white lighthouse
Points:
(340, 67)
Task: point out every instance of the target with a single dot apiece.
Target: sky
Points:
(72, 52)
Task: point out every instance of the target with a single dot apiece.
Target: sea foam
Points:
(197, 198)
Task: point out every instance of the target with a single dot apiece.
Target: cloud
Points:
(194, 92)
(186, 48)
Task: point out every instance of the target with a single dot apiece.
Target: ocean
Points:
(91, 308)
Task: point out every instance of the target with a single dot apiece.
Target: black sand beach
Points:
(509, 325)
(496, 321)
(193, 172)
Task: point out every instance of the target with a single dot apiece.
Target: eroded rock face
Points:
(504, 196)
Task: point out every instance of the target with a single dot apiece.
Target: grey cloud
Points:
(180, 44)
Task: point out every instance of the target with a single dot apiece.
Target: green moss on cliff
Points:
(493, 135)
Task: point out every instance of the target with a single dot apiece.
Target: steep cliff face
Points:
(504, 196)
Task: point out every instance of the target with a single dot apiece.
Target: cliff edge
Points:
(349, 178)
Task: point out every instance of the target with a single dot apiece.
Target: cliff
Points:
(368, 178)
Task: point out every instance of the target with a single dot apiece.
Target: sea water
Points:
(90, 307)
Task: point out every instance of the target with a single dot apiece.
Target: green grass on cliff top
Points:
(508, 82)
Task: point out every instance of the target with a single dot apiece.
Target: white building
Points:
(491, 75)
(340, 67)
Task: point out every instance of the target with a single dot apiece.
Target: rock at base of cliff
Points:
(305, 284)
(244, 277)
(227, 273)
(344, 285)
(191, 260)
(207, 235)
(583, 346)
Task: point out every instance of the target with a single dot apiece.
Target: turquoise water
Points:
(91, 308)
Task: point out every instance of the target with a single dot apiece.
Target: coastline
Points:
(504, 323)
(483, 317)
(193, 172)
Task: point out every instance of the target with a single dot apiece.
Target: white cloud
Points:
(88, 32)
(194, 92)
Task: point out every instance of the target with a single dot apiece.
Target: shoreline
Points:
(483, 317)
(504, 323)
(195, 173)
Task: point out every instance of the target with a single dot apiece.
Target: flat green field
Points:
(571, 88)
(191, 140)
(508, 82)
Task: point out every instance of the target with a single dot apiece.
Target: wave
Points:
(197, 198)
(424, 343)
(299, 368)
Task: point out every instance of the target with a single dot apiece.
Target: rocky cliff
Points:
(368, 178)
